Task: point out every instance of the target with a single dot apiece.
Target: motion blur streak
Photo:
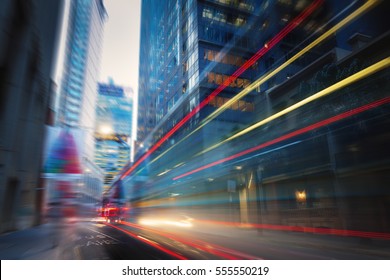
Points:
(169, 252)
(292, 134)
(270, 74)
(347, 81)
(194, 243)
(220, 251)
(326, 231)
(238, 72)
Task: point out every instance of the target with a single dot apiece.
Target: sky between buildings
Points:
(120, 50)
(120, 54)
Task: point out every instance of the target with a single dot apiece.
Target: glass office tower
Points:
(179, 50)
(81, 68)
(264, 112)
(77, 96)
(113, 128)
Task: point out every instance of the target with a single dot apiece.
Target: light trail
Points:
(276, 39)
(314, 230)
(343, 83)
(292, 134)
(214, 249)
(364, 8)
(150, 243)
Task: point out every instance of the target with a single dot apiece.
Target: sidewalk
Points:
(43, 242)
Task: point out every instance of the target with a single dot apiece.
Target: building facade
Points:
(28, 45)
(113, 131)
(182, 62)
(244, 112)
(76, 104)
(80, 74)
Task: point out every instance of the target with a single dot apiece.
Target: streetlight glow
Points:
(106, 129)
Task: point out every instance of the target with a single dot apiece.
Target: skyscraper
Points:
(113, 128)
(77, 97)
(81, 69)
(189, 49)
(224, 83)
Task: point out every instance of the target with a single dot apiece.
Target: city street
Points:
(195, 130)
(92, 240)
(75, 241)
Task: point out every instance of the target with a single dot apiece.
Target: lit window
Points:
(212, 102)
(235, 105)
(300, 196)
(242, 105)
(219, 101)
(218, 79)
(239, 21)
(211, 77)
(207, 13)
(210, 55)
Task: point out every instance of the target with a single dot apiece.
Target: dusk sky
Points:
(120, 57)
(120, 54)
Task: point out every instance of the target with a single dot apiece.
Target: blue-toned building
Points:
(253, 153)
(80, 74)
(113, 131)
(191, 48)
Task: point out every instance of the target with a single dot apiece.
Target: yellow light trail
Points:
(364, 8)
(347, 81)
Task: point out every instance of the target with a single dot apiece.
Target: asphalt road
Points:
(97, 241)
(91, 240)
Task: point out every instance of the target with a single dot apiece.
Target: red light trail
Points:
(214, 249)
(327, 231)
(292, 134)
(269, 45)
(157, 246)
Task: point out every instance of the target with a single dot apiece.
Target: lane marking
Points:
(104, 234)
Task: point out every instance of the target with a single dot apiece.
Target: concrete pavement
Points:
(49, 241)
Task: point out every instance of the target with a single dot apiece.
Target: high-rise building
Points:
(80, 74)
(189, 50)
(77, 96)
(246, 106)
(113, 131)
(28, 45)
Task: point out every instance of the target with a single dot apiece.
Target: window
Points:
(239, 82)
(207, 13)
(239, 105)
(211, 77)
(185, 67)
(235, 105)
(242, 105)
(218, 79)
(213, 102)
(220, 101)
(224, 79)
